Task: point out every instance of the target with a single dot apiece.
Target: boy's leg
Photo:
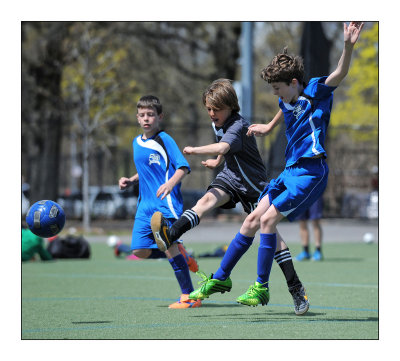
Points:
(284, 259)
(221, 282)
(165, 236)
(305, 240)
(259, 292)
(296, 288)
(181, 270)
(317, 256)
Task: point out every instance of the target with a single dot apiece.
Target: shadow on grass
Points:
(335, 259)
(89, 322)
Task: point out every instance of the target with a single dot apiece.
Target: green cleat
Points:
(210, 286)
(256, 294)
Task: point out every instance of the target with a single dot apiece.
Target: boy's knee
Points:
(142, 253)
(252, 222)
(267, 221)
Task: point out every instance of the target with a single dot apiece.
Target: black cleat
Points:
(160, 229)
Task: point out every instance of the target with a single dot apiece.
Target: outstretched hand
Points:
(352, 31)
(164, 190)
(259, 130)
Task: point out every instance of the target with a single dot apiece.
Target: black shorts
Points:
(248, 203)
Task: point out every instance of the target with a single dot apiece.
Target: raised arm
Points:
(350, 37)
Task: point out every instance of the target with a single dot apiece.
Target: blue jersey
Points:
(156, 160)
(307, 121)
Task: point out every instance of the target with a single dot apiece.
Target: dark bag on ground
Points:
(69, 247)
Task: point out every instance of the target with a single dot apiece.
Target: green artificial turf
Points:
(112, 298)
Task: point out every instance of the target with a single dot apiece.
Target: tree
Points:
(96, 93)
(42, 105)
(359, 110)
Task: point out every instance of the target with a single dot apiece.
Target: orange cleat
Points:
(185, 302)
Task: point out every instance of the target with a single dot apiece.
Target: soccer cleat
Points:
(210, 286)
(300, 299)
(317, 256)
(191, 262)
(185, 302)
(302, 256)
(160, 229)
(256, 294)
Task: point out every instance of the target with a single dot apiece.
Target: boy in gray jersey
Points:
(242, 179)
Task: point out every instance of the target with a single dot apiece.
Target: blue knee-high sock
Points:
(266, 252)
(182, 274)
(238, 247)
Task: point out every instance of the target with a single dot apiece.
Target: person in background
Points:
(314, 215)
(33, 245)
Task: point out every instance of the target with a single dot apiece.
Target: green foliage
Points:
(360, 108)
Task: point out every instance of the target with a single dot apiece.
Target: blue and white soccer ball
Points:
(45, 218)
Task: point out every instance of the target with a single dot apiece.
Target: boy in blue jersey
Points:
(160, 169)
(306, 111)
(241, 180)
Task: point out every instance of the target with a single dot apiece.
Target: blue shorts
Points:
(314, 212)
(142, 236)
(298, 187)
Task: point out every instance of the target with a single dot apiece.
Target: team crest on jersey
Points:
(298, 111)
(154, 158)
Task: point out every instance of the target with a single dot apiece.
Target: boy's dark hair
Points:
(221, 94)
(284, 68)
(150, 101)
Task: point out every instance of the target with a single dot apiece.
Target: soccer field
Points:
(110, 298)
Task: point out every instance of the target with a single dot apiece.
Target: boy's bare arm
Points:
(350, 37)
(220, 148)
(167, 187)
(260, 130)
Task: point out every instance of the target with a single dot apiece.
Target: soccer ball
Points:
(368, 238)
(45, 218)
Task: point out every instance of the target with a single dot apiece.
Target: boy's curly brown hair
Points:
(284, 68)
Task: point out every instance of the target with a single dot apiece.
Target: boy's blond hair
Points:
(284, 68)
(220, 95)
(150, 101)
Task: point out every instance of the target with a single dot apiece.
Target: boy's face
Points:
(149, 120)
(220, 116)
(287, 93)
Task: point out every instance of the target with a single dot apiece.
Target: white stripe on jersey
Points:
(152, 144)
(314, 150)
(245, 176)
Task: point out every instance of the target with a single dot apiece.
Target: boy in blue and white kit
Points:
(242, 179)
(160, 169)
(306, 111)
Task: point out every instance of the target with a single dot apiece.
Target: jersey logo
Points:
(298, 111)
(154, 158)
